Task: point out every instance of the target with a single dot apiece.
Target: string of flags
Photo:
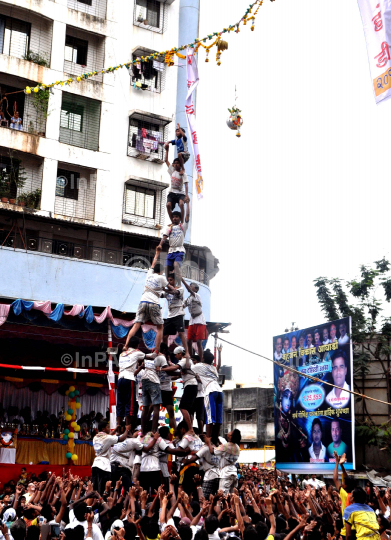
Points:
(221, 45)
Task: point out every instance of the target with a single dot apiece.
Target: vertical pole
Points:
(189, 14)
(216, 337)
(111, 381)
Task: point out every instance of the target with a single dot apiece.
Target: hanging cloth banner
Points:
(192, 83)
(376, 18)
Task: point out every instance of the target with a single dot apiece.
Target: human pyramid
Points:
(144, 454)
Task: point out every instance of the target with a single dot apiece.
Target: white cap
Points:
(118, 524)
(179, 350)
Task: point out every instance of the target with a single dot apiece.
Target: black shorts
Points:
(188, 398)
(167, 398)
(150, 481)
(174, 199)
(126, 398)
(200, 409)
(173, 325)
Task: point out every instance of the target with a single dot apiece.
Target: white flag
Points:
(376, 18)
(192, 83)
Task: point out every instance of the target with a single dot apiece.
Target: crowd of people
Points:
(219, 499)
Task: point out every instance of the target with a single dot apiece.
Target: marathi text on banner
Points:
(376, 17)
(314, 410)
(192, 83)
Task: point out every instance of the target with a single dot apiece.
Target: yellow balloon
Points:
(74, 457)
(73, 424)
(78, 405)
(172, 431)
(67, 392)
(68, 417)
(77, 428)
(72, 388)
(71, 435)
(166, 415)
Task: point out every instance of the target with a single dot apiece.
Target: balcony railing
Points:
(63, 248)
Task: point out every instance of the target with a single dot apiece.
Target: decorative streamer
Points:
(192, 83)
(168, 55)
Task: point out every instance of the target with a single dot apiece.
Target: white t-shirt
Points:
(96, 532)
(154, 282)
(209, 377)
(163, 458)
(151, 364)
(150, 460)
(188, 379)
(341, 401)
(190, 441)
(175, 303)
(124, 452)
(200, 391)
(128, 363)
(229, 455)
(200, 319)
(176, 236)
(165, 381)
(177, 181)
(102, 444)
(210, 463)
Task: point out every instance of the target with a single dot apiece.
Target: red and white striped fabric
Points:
(70, 369)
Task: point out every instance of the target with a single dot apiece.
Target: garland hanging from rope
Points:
(221, 45)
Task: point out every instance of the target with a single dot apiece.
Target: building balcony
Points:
(147, 135)
(72, 280)
(127, 258)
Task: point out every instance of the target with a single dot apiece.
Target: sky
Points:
(305, 191)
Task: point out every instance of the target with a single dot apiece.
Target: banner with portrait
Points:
(313, 419)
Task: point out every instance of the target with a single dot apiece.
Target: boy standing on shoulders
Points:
(197, 330)
(175, 234)
(179, 190)
(174, 323)
(149, 307)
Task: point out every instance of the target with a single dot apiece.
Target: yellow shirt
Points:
(361, 518)
(344, 499)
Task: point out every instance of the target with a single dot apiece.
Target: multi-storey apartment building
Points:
(82, 166)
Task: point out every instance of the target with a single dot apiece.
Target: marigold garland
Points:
(169, 55)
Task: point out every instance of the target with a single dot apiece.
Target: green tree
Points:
(364, 299)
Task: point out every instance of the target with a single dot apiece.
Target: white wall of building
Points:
(117, 97)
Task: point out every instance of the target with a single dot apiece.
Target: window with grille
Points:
(71, 116)
(76, 50)
(86, 2)
(149, 75)
(148, 12)
(80, 121)
(67, 184)
(146, 139)
(14, 37)
(140, 202)
(245, 416)
(75, 192)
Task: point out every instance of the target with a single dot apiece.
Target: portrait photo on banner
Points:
(314, 418)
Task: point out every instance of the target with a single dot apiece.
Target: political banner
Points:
(192, 83)
(376, 19)
(314, 419)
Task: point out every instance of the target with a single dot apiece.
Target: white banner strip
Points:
(376, 19)
(192, 83)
